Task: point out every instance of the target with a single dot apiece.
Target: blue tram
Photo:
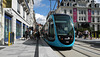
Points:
(58, 31)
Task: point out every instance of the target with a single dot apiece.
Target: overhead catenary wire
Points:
(54, 4)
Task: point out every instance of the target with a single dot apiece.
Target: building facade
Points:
(17, 17)
(0, 18)
(34, 20)
(85, 13)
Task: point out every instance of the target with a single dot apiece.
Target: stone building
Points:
(17, 17)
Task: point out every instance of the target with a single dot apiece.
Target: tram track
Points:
(87, 47)
(63, 55)
(82, 53)
(85, 51)
(90, 52)
(78, 51)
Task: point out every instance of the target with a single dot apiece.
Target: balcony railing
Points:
(25, 5)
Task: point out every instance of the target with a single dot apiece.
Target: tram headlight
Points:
(68, 37)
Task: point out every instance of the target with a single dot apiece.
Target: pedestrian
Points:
(37, 34)
(90, 36)
(86, 34)
(80, 36)
(26, 34)
(30, 34)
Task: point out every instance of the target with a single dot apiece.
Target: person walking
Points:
(86, 34)
(30, 34)
(26, 34)
(37, 35)
(90, 36)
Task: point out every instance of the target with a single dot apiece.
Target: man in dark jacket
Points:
(38, 35)
(26, 34)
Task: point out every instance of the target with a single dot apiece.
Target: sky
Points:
(42, 7)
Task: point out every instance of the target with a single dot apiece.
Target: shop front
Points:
(7, 27)
(23, 30)
(18, 29)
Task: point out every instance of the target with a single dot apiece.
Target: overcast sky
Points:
(42, 7)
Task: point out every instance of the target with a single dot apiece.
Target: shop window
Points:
(8, 27)
(23, 30)
(18, 29)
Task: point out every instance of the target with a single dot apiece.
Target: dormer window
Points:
(68, 4)
(64, 4)
(97, 5)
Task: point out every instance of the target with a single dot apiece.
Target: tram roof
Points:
(57, 15)
(61, 14)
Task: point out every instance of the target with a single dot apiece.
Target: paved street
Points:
(28, 48)
(35, 27)
(81, 49)
(33, 48)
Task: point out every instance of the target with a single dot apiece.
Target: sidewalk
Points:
(93, 41)
(28, 48)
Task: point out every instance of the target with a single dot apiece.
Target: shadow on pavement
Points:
(30, 42)
(2, 48)
(37, 49)
(43, 43)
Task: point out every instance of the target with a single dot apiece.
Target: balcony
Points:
(25, 6)
(24, 3)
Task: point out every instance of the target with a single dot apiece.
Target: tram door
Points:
(8, 27)
(51, 30)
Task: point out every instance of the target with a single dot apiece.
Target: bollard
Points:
(9, 39)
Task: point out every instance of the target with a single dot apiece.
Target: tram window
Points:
(51, 30)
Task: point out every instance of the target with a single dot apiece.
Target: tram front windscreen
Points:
(64, 25)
